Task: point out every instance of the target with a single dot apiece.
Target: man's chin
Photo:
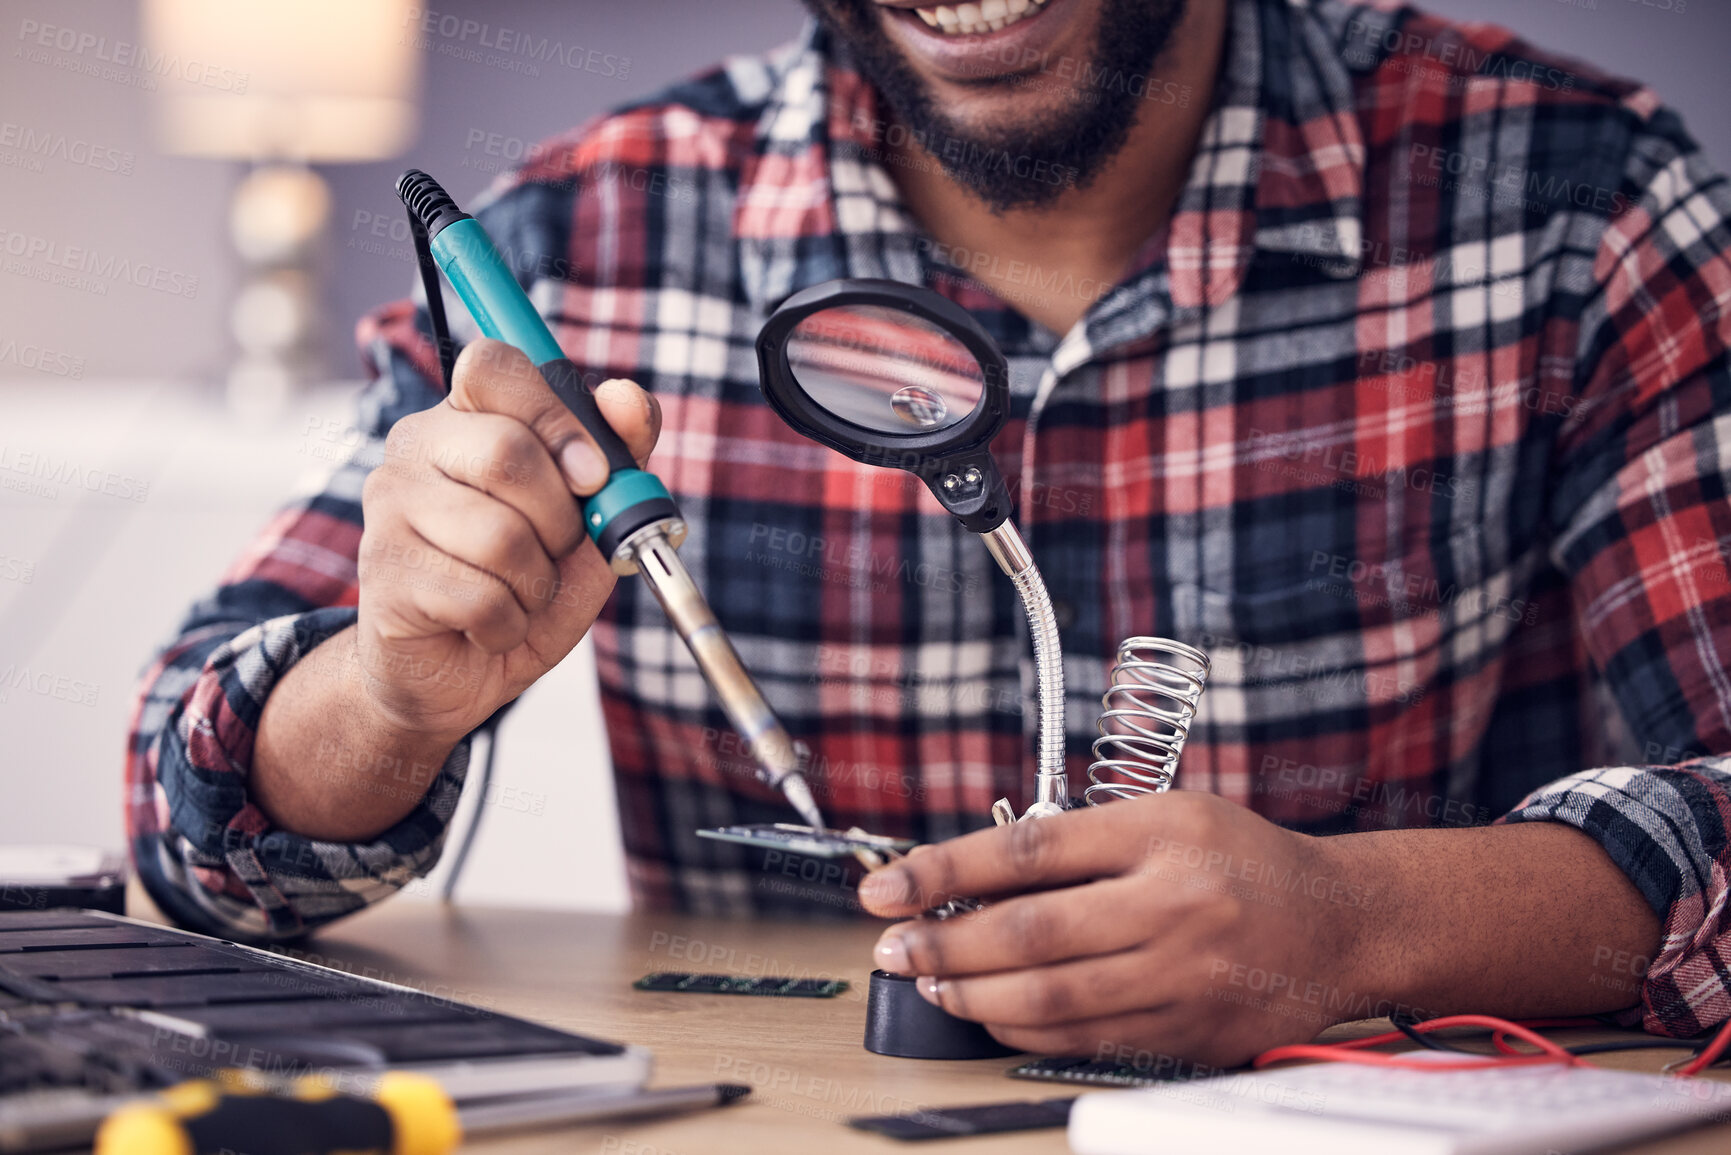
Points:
(1021, 138)
(1010, 118)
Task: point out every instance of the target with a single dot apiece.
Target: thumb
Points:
(493, 377)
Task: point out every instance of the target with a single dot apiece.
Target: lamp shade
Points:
(305, 80)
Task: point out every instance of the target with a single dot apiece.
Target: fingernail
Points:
(927, 985)
(582, 464)
(888, 886)
(892, 954)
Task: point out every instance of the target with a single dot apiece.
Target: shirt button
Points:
(1064, 613)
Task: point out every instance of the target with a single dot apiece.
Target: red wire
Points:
(1339, 1052)
(1500, 1038)
(1711, 1055)
(1323, 1051)
(1501, 1030)
(1576, 1021)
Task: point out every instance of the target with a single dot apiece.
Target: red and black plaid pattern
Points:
(1416, 417)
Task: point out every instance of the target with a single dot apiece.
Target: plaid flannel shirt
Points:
(1416, 416)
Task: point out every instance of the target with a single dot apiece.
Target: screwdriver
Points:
(632, 518)
(404, 1114)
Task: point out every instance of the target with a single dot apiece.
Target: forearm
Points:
(1519, 921)
(327, 765)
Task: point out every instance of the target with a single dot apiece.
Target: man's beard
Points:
(1065, 145)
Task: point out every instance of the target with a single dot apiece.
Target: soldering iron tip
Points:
(793, 786)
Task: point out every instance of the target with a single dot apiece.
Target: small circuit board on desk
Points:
(1088, 1072)
(957, 1122)
(742, 985)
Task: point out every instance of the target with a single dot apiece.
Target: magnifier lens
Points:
(884, 369)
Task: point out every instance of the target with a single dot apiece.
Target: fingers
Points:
(1068, 923)
(493, 377)
(1102, 1036)
(487, 535)
(437, 555)
(1076, 846)
(412, 602)
(1047, 996)
(502, 458)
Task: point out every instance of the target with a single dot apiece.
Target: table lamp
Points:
(282, 84)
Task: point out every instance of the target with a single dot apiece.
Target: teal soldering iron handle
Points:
(632, 499)
(632, 518)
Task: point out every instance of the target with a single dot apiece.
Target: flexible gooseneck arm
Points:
(1051, 786)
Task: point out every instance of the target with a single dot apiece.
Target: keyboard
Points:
(95, 1008)
(1356, 1109)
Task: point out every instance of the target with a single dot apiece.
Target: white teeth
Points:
(977, 18)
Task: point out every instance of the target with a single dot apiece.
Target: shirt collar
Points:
(1279, 166)
(814, 202)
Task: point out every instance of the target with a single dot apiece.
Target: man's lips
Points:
(981, 39)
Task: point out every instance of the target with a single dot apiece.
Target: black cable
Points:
(1404, 1023)
(435, 298)
(488, 730)
(1407, 1025)
(1648, 1044)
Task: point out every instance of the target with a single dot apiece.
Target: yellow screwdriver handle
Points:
(407, 1114)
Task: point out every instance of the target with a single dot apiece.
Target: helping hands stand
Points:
(896, 375)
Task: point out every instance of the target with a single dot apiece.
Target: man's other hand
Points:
(1179, 926)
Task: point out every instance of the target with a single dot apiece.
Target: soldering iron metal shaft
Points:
(780, 760)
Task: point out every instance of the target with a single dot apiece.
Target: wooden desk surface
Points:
(802, 1057)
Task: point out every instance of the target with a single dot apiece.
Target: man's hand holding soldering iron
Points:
(476, 578)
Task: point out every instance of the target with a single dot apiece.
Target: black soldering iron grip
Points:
(566, 381)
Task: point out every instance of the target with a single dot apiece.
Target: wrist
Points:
(327, 763)
(389, 711)
(1374, 963)
(1507, 920)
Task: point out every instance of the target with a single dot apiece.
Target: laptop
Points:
(95, 1007)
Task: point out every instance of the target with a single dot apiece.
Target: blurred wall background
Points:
(122, 383)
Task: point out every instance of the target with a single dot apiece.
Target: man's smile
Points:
(975, 19)
(986, 40)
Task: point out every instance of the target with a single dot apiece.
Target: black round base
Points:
(901, 1023)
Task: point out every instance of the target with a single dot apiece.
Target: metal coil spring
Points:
(1149, 702)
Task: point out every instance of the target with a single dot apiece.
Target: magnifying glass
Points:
(898, 376)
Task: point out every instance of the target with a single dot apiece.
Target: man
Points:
(1383, 359)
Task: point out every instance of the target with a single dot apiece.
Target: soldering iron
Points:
(632, 519)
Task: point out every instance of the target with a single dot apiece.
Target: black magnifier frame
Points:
(955, 462)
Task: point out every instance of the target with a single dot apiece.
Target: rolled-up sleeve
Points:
(1641, 509)
(205, 853)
